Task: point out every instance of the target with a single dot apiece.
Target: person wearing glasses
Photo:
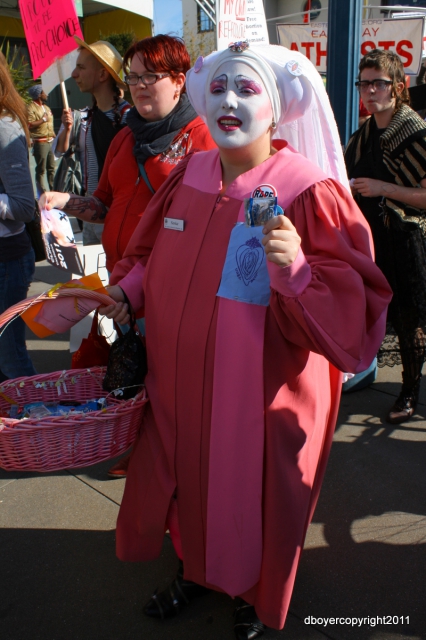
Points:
(386, 162)
(162, 128)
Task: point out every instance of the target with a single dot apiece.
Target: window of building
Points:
(203, 21)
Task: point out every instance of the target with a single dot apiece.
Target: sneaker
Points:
(119, 470)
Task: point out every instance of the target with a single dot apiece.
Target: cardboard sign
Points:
(49, 27)
(59, 242)
(51, 78)
(403, 36)
(241, 20)
(256, 29)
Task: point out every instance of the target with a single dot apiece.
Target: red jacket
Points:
(127, 194)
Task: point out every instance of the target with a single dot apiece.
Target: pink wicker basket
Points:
(61, 442)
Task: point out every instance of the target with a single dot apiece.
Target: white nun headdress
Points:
(300, 105)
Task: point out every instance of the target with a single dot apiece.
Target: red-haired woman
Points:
(162, 128)
(16, 208)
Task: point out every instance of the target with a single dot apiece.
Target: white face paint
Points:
(238, 108)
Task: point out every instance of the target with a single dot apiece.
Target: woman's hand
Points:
(370, 188)
(281, 242)
(118, 312)
(53, 200)
(67, 118)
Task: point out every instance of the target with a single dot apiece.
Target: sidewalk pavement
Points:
(364, 554)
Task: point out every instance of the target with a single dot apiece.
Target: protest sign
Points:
(59, 242)
(59, 71)
(403, 36)
(256, 29)
(241, 20)
(50, 27)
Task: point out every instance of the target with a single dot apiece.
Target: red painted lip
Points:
(229, 123)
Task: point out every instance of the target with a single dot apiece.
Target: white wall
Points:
(198, 44)
(189, 15)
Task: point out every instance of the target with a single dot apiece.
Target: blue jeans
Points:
(15, 279)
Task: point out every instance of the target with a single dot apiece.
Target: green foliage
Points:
(19, 69)
(121, 41)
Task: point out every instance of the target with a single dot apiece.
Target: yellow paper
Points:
(91, 282)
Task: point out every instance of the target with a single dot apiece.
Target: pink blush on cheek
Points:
(265, 112)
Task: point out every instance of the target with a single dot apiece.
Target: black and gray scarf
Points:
(405, 132)
(153, 138)
(404, 155)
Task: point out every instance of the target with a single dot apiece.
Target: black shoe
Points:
(405, 405)
(247, 625)
(174, 598)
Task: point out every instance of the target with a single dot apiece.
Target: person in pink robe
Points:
(248, 331)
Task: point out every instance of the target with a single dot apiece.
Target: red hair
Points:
(160, 53)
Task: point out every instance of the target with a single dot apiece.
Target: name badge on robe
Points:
(173, 223)
(245, 276)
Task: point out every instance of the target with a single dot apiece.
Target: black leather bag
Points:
(34, 231)
(127, 363)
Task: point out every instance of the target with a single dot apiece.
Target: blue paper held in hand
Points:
(245, 275)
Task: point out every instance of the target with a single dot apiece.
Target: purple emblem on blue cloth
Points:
(245, 276)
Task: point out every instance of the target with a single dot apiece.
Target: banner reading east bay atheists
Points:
(403, 36)
(241, 20)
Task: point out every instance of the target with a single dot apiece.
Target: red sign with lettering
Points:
(49, 27)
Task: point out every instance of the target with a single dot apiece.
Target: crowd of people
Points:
(223, 204)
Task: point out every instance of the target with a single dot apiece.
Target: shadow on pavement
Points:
(364, 554)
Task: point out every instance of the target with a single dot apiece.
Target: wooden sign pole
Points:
(62, 85)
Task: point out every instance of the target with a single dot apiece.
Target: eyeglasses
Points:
(378, 85)
(145, 78)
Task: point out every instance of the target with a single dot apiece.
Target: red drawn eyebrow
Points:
(219, 81)
(248, 82)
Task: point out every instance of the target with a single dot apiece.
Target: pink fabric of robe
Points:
(244, 398)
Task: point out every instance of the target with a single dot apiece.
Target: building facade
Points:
(199, 30)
